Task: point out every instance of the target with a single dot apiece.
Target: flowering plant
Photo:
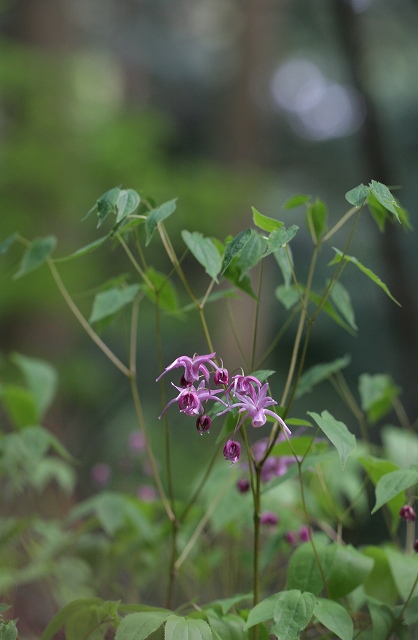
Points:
(295, 488)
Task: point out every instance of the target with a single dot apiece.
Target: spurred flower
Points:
(190, 399)
(221, 377)
(243, 384)
(203, 423)
(193, 367)
(232, 451)
(253, 405)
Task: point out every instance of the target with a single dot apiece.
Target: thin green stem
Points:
(341, 222)
(134, 262)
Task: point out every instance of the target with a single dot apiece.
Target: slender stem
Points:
(86, 326)
(340, 223)
(134, 262)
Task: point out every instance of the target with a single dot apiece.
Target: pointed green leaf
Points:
(376, 468)
(303, 571)
(369, 273)
(127, 202)
(393, 483)
(295, 201)
(41, 378)
(318, 212)
(284, 259)
(205, 252)
(235, 246)
(65, 613)
(179, 628)
(6, 244)
(320, 372)
(280, 237)
(349, 569)
(334, 617)
(287, 295)
(404, 568)
(240, 280)
(251, 254)
(382, 620)
(384, 196)
(38, 252)
(341, 298)
(139, 626)
(109, 302)
(106, 204)
(337, 432)
(92, 246)
(263, 374)
(379, 584)
(358, 195)
(8, 630)
(401, 446)
(262, 611)
(292, 613)
(264, 222)
(158, 215)
(377, 393)
(164, 289)
(226, 604)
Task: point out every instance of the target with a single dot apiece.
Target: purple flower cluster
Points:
(244, 393)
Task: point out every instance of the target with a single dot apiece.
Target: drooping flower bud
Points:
(290, 537)
(232, 451)
(303, 533)
(243, 485)
(269, 518)
(221, 376)
(407, 513)
(416, 545)
(203, 423)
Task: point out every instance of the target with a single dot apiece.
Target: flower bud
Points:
(232, 451)
(203, 423)
(407, 513)
(221, 377)
(243, 485)
(269, 518)
(303, 533)
(290, 537)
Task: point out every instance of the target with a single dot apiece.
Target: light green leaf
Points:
(377, 393)
(158, 215)
(337, 432)
(53, 469)
(411, 611)
(205, 252)
(341, 298)
(264, 222)
(6, 244)
(287, 295)
(404, 570)
(65, 613)
(295, 201)
(8, 630)
(262, 374)
(179, 628)
(376, 468)
(226, 626)
(84, 250)
(38, 252)
(299, 445)
(127, 202)
(251, 254)
(318, 212)
(226, 604)
(334, 617)
(401, 446)
(106, 204)
(382, 620)
(41, 378)
(379, 584)
(109, 302)
(358, 195)
(320, 372)
(20, 404)
(384, 196)
(280, 237)
(262, 611)
(284, 259)
(369, 273)
(391, 484)
(348, 570)
(139, 626)
(235, 246)
(303, 571)
(292, 613)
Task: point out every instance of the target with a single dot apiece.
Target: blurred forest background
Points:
(223, 104)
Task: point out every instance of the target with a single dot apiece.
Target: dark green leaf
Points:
(263, 374)
(251, 254)
(84, 250)
(262, 611)
(337, 432)
(205, 252)
(349, 569)
(226, 604)
(240, 280)
(320, 372)
(295, 201)
(303, 571)
(378, 212)
(393, 483)
(358, 195)
(6, 244)
(376, 468)
(369, 273)
(66, 612)
(106, 204)
(38, 252)
(158, 215)
(264, 222)
(111, 301)
(235, 246)
(318, 213)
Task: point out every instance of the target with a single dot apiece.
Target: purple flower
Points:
(269, 518)
(303, 533)
(203, 423)
(254, 406)
(193, 368)
(407, 513)
(243, 384)
(232, 451)
(243, 485)
(190, 399)
(290, 537)
(221, 377)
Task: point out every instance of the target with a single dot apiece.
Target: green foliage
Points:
(337, 432)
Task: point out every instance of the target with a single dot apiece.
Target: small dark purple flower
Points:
(190, 399)
(303, 533)
(221, 376)
(416, 545)
(243, 485)
(232, 451)
(193, 368)
(203, 423)
(290, 537)
(243, 384)
(407, 513)
(269, 518)
(254, 406)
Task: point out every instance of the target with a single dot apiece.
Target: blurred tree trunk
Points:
(376, 166)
